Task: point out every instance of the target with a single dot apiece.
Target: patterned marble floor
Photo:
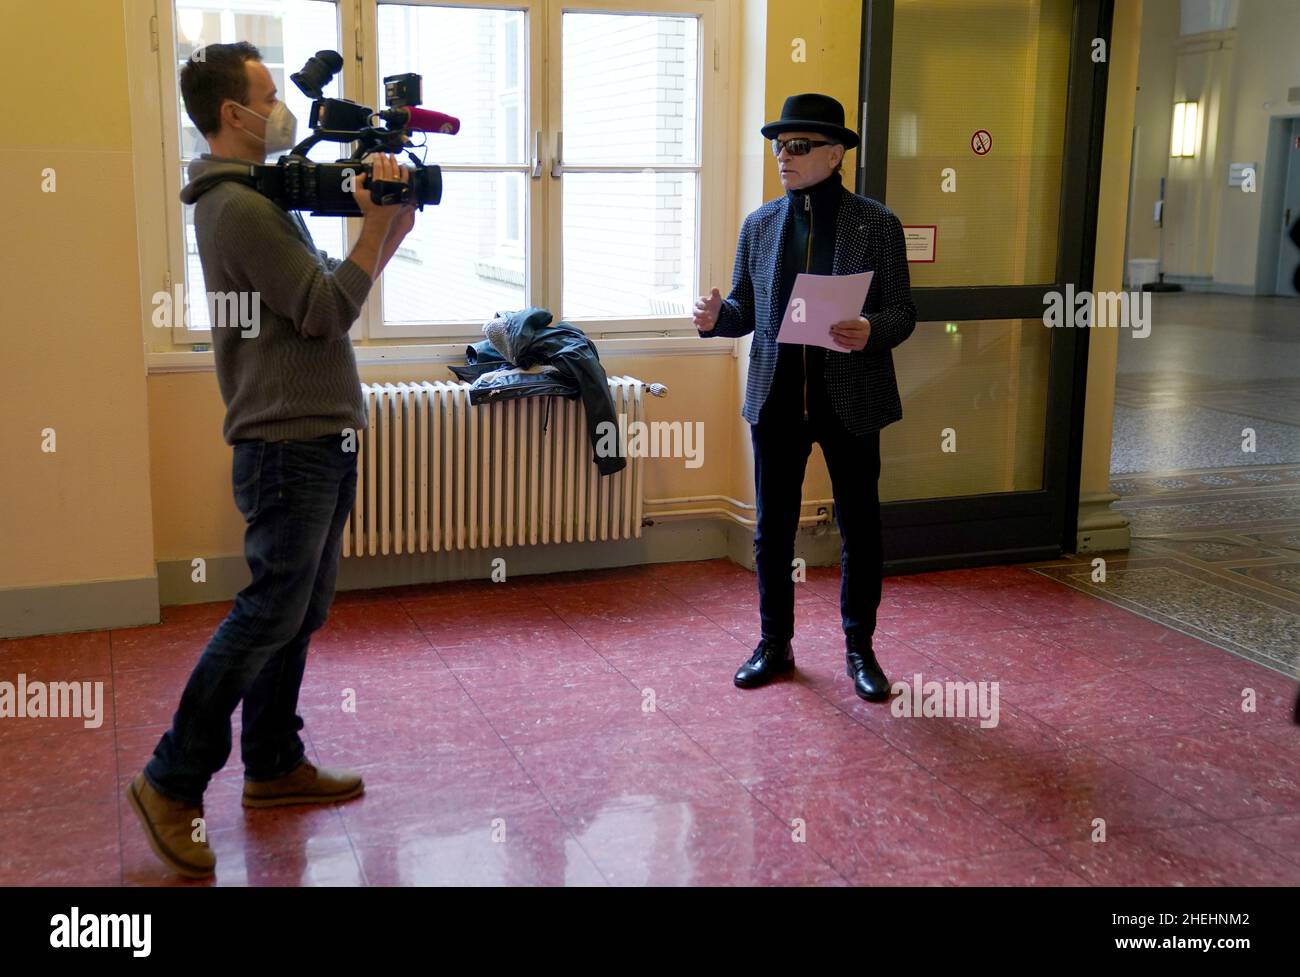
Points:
(1211, 366)
(583, 729)
(1215, 553)
(1215, 528)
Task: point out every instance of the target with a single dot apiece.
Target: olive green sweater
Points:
(292, 375)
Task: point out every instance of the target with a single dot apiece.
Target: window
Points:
(287, 34)
(577, 179)
(631, 165)
(465, 263)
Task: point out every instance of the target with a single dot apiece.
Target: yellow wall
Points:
(831, 31)
(1152, 118)
(141, 473)
(1108, 269)
(71, 349)
(1211, 230)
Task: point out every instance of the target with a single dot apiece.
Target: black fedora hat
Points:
(811, 112)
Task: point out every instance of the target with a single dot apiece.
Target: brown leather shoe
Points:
(169, 826)
(305, 784)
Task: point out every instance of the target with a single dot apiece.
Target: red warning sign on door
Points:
(981, 142)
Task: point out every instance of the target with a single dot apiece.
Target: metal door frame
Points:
(1004, 527)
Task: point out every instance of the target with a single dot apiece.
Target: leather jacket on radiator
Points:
(528, 338)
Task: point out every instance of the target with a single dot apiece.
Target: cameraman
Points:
(293, 405)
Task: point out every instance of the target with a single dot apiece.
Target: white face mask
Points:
(281, 127)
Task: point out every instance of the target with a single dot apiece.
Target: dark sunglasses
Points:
(797, 147)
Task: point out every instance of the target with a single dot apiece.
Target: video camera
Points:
(325, 189)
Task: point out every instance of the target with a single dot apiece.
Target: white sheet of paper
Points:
(827, 299)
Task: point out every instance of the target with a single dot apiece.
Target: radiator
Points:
(435, 473)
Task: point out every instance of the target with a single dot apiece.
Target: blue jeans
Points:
(295, 497)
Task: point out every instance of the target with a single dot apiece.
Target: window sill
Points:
(443, 352)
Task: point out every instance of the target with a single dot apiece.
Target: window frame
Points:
(154, 90)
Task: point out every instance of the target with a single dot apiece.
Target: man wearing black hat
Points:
(798, 394)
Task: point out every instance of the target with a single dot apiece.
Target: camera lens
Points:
(317, 73)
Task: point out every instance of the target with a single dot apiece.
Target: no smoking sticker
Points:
(981, 142)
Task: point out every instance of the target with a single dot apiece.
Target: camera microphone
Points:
(421, 120)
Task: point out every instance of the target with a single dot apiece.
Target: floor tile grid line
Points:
(615, 668)
(1191, 501)
(1222, 570)
(931, 768)
(1246, 411)
(1282, 467)
(433, 648)
(1172, 627)
(1213, 722)
(338, 815)
(1030, 844)
(1036, 624)
(117, 771)
(1210, 819)
(1158, 549)
(1200, 493)
(703, 749)
(1220, 726)
(513, 755)
(1232, 824)
(1209, 729)
(117, 761)
(1163, 624)
(1205, 819)
(1164, 543)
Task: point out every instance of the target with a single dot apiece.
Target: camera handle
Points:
(384, 192)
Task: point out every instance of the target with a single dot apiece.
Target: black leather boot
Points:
(770, 659)
(869, 681)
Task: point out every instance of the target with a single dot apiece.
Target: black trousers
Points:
(783, 440)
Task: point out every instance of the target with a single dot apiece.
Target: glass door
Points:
(981, 124)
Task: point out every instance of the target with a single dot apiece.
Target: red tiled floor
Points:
(63, 657)
(1200, 855)
(1060, 796)
(583, 729)
(892, 819)
(702, 843)
(1228, 774)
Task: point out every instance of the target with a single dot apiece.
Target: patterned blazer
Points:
(868, 237)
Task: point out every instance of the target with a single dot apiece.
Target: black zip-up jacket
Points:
(799, 384)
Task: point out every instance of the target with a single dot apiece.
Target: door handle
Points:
(537, 154)
(557, 164)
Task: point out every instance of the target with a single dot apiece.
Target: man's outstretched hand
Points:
(707, 308)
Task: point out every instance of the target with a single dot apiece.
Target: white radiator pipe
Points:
(822, 518)
(675, 509)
